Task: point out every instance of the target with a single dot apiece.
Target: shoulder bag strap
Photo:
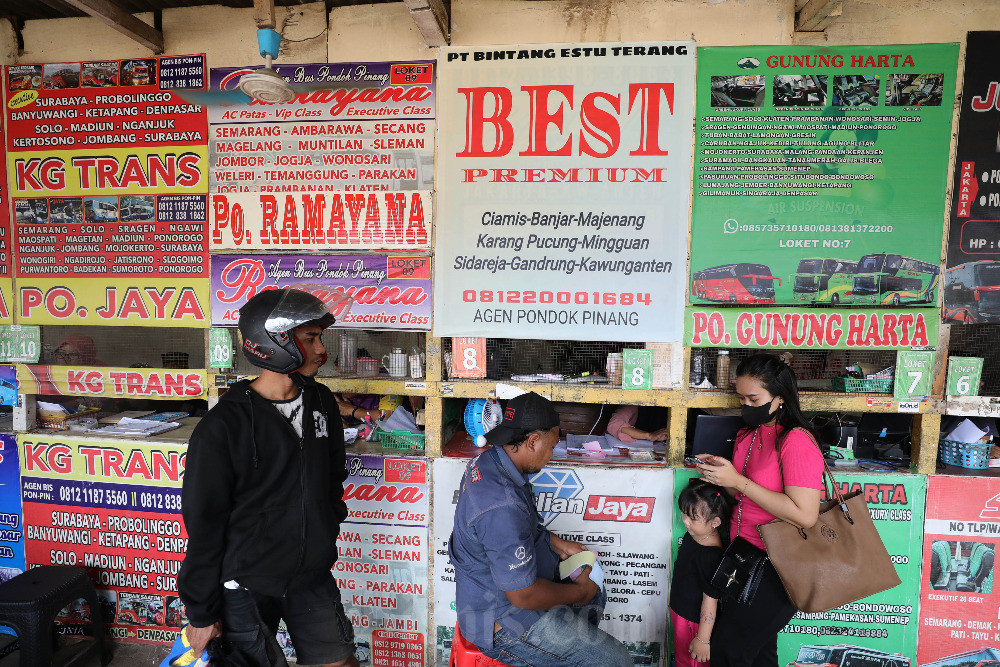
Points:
(746, 462)
(835, 490)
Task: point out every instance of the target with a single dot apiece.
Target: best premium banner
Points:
(620, 514)
(972, 281)
(820, 174)
(959, 601)
(115, 508)
(108, 172)
(387, 291)
(564, 190)
(829, 328)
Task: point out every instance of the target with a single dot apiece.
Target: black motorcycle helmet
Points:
(268, 322)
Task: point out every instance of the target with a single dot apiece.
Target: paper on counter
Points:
(966, 432)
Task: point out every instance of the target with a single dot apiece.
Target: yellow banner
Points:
(109, 381)
(131, 302)
(112, 171)
(91, 460)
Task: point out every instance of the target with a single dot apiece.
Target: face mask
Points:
(755, 416)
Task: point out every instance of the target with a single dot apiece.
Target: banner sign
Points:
(964, 376)
(350, 126)
(114, 508)
(561, 204)
(154, 383)
(11, 517)
(611, 512)
(388, 292)
(179, 302)
(108, 171)
(829, 328)
(383, 558)
(959, 601)
(972, 280)
(322, 221)
(6, 250)
(838, 157)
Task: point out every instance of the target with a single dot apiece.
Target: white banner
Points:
(622, 514)
(564, 191)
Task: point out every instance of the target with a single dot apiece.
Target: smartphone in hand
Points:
(693, 461)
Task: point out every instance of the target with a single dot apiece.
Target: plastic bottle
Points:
(697, 367)
(722, 370)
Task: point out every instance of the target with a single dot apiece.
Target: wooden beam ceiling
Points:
(113, 15)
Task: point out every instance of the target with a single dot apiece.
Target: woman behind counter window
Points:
(747, 635)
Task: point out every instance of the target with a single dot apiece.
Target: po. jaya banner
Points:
(114, 508)
(958, 596)
(387, 291)
(972, 281)
(829, 328)
(160, 383)
(563, 191)
(619, 514)
(820, 174)
(349, 126)
(108, 173)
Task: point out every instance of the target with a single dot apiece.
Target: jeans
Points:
(566, 636)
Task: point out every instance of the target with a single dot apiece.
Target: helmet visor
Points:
(307, 303)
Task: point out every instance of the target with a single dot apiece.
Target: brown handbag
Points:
(838, 560)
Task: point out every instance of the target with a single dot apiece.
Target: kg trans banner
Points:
(114, 508)
(108, 169)
(562, 198)
(820, 174)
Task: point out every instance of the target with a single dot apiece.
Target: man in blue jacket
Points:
(510, 603)
(263, 498)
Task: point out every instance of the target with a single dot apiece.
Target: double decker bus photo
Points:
(972, 292)
(823, 280)
(735, 283)
(884, 278)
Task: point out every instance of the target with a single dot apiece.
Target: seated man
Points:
(506, 564)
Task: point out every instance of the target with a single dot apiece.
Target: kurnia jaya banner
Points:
(820, 174)
(972, 281)
(563, 190)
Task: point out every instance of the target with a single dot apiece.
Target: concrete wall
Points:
(386, 31)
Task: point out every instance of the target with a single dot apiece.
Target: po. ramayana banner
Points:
(563, 191)
(387, 291)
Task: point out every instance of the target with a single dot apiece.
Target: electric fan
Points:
(481, 416)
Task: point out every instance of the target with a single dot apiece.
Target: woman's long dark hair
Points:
(778, 379)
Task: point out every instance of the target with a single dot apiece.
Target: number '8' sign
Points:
(638, 369)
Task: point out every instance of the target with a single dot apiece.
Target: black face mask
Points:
(755, 416)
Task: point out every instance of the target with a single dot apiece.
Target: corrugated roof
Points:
(26, 10)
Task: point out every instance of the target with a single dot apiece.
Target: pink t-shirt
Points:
(802, 462)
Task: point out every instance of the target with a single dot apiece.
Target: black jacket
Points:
(260, 505)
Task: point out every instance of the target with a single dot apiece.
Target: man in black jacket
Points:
(263, 498)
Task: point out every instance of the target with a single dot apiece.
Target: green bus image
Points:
(823, 280)
(884, 279)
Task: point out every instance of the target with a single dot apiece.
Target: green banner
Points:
(820, 174)
(827, 328)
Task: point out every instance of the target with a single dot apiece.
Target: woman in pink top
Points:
(746, 635)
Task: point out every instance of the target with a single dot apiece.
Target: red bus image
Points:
(735, 283)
